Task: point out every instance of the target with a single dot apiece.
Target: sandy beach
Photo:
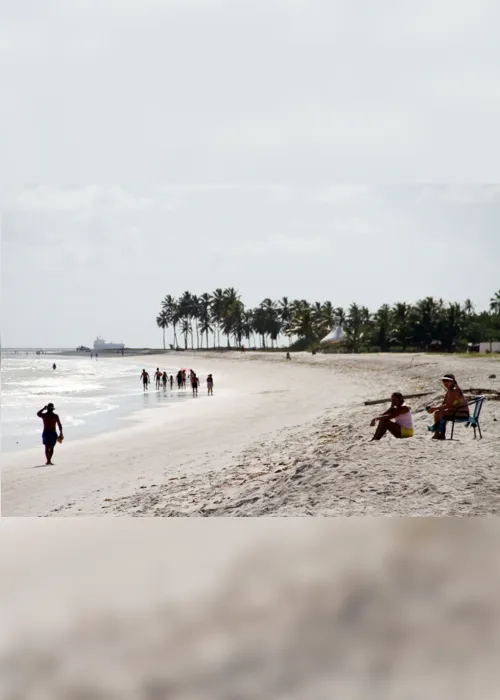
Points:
(278, 438)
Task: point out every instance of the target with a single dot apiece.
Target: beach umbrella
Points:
(336, 335)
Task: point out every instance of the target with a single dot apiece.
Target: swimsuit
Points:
(49, 438)
(405, 422)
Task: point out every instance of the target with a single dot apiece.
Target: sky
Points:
(153, 146)
(82, 262)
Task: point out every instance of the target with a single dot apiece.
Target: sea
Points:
(91, 396)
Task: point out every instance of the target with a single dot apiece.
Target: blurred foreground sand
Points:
(248, 609)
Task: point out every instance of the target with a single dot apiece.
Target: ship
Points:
(100, 344)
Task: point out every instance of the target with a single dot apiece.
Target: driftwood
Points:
(407, 396)
(478, 392)
(491, 393)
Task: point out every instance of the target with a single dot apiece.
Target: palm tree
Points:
(401, 322)
(303, 324)
(272, 323)
(170, 306)
(355, 323)
(186, 330)
(230, 309)
(382, 328)
(339, 316)
(186, 311)
(217, 309)
(329, 315)
(204, 317)
(426, 317)
(195, 314)
(495, 303)
(468, 308)
(285, 313)
(259, 323)
(162, 322)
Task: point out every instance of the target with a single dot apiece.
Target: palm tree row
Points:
(428, 323)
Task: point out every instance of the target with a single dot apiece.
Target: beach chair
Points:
(471, 421)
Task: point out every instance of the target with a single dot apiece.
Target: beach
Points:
(278, 438)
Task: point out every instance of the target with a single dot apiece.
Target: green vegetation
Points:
(429, 324)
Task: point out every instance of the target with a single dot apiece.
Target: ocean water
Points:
(90, 396)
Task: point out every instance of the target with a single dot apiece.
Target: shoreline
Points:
(110, 406)
(286, 438)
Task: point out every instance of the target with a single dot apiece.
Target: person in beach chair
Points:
(397, 420)
(454, 406)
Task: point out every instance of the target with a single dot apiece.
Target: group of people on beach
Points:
(162, 379)
(398, 419)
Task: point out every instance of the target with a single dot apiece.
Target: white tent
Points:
(336, 335)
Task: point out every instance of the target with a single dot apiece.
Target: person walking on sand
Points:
(397, 420)
(49, 435)
(158, 376)
(171, 382)
(164, 379)
(145, 379)
(454, 406)
(210, 385)
(54, 366)
(194, 383)
(179, 380)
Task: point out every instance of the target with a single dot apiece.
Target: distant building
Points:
(493, 346)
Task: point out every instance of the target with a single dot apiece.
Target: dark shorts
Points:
(49, 438)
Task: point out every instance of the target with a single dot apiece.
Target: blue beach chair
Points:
(473, 420)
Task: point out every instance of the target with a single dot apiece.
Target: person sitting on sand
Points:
(49, 435)
(454, 406)
(210, 385)
(145, 379)
(397, 420)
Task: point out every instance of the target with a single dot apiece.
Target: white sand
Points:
(277, 438)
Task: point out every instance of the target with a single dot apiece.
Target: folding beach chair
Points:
(471, 420)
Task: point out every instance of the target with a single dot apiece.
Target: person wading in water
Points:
(145, 379)
(49, 436)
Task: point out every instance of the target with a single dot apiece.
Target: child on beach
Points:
(210, 385)
(397, 420)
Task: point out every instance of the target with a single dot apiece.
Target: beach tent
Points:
(336, 335)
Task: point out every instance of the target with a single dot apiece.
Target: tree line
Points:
(201, 322)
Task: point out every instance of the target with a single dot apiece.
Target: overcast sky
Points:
(95, 260)
(130, 130)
